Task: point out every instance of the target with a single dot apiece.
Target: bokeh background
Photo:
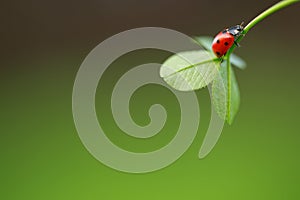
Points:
(43, 44)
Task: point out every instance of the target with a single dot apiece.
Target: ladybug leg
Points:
(222, 59)
(237, 44)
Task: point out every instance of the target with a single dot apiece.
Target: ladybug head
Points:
(239, 28)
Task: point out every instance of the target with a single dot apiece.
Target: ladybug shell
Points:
(221, 43)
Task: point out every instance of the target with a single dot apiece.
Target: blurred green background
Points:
(43, 44)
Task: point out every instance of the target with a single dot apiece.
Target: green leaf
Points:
(237, 61)
(219, 92)
(206, 43)
(225, 95)
(234, 98)
(190, 70)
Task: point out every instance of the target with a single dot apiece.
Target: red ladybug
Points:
(225, 39)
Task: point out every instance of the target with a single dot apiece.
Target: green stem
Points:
(278, 6)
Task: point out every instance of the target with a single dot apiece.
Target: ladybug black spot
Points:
(226, 43)
(218, 41)
(218, 53)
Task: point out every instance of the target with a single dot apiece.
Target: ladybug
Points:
(225, 39)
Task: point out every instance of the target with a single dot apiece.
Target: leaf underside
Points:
(190, 70)
(226, 101)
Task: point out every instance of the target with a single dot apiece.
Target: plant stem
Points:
(278, 6)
